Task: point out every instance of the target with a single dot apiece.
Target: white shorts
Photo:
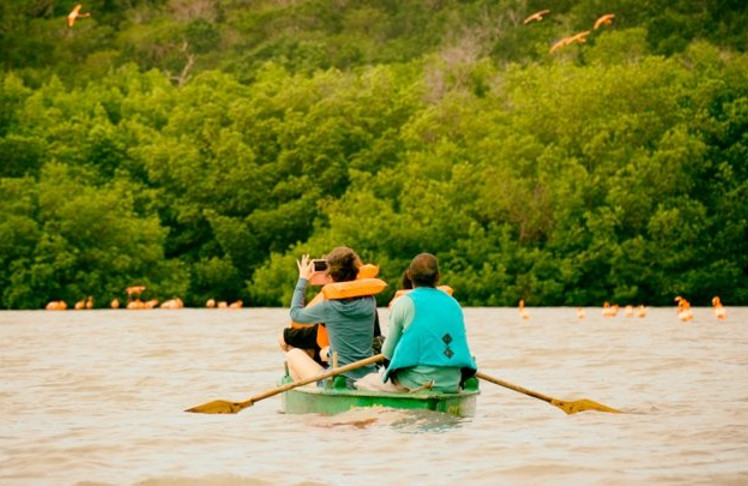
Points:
(373, 381)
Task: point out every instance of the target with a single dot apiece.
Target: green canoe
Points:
(335, 398)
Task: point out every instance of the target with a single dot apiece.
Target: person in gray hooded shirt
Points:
(349, 322)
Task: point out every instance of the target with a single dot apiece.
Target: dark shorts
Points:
(304, 337)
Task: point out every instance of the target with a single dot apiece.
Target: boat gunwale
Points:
(415, 395)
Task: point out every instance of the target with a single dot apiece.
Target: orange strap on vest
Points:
(401, 292)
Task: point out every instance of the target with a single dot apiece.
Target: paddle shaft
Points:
(514, 387)
(322, 376)
(569, 407)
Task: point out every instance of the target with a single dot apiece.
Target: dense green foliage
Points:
(198, 147)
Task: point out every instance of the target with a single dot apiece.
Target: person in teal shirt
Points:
(426, 342)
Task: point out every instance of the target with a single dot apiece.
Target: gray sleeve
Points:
(306, 315)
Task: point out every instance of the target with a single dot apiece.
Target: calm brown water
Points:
(96, 397)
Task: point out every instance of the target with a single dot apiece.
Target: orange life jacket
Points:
(365, 284)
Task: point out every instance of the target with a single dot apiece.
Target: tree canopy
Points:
(199, 147)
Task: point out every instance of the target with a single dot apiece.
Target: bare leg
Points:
(300, 365)
(373, 381)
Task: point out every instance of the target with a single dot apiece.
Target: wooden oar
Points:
(223, 406)
(568, 407)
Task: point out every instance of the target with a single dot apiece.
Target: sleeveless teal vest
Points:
(436, 337)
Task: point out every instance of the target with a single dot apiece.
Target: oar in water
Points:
(223, 406)
(568, 407)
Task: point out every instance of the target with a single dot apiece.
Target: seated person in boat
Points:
(313, 339)
(347, 308)
(426, 342)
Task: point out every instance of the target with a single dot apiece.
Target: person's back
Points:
(432, 346)
(349, 321)
(426, 341)
(350, 326)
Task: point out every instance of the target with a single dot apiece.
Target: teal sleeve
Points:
(401, 315)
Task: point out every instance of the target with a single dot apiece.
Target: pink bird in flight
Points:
(75, 14)
(537, 16)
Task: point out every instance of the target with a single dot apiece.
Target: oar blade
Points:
(220, 406)
(582, 406)
(223, 406)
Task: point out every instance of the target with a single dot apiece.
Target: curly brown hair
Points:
(343, 264)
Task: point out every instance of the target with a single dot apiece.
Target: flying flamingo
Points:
(538, 16)
(580, 37)
(134, 290)
(558, 45)
(75, 13)
(606, 19)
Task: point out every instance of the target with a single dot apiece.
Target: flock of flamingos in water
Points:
(684, 312)
(135, 303)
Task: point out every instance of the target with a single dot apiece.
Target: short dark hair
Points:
(424, 270)
(406, 282)
(343, 264)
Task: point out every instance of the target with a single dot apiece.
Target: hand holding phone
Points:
(306, 267)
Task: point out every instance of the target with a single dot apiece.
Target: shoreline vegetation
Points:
(197, 147)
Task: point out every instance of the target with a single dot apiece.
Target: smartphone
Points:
(320, 265)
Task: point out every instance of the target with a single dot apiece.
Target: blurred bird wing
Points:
(605, 19)
(558, 45)
(536, 16)
(73, 14)
(580, 37)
